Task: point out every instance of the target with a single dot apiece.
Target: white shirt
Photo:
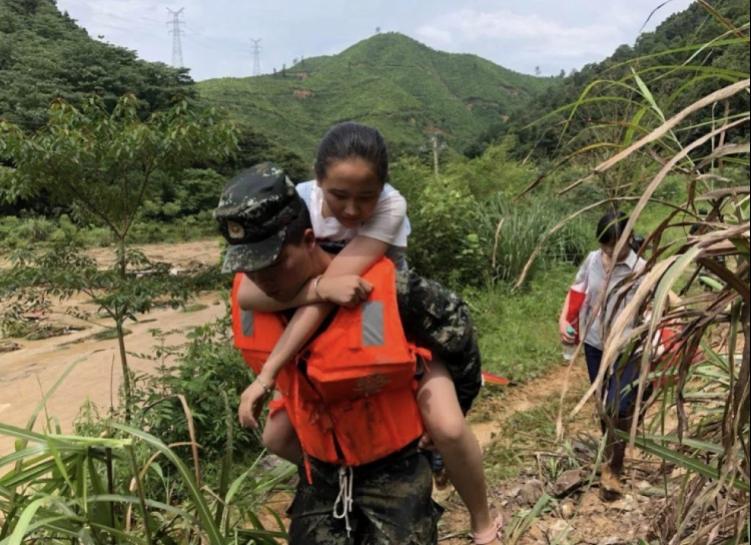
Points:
(388, 223)
(592, 274)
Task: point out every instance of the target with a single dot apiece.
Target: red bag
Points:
(576, 296)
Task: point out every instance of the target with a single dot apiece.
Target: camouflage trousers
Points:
(392, 504)
(436, 318)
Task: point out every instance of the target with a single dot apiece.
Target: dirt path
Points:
(491, 414)
(522, 398)
(575, 516)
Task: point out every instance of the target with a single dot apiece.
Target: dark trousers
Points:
(619, 396)
(392, 504)
(617, 402)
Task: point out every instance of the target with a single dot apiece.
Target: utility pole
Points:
(176, 31)
(434, 141)
(256, 56)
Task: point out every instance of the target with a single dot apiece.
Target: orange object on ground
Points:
(490, 378)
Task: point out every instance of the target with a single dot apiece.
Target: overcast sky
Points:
(551, 34)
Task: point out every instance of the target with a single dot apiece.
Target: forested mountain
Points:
(44, 54)
(405, 88)
(671, 63)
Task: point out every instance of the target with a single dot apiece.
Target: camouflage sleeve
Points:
(438, 319)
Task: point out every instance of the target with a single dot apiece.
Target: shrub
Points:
(446, 244)
(209, 369)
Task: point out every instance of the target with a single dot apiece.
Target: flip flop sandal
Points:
(492, 533)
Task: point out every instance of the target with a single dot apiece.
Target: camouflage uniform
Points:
(392, 504)
(436, 318)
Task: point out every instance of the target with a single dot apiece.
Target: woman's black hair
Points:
(611, 226)
(347, 140)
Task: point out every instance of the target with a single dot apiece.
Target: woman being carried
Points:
(356, 213)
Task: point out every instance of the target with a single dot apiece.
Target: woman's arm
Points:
(354, 259)
(345, 290)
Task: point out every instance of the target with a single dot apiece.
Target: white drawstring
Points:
(346, 480)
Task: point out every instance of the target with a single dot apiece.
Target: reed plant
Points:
(694, 387)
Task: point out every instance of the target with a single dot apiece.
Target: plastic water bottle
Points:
(569, 349)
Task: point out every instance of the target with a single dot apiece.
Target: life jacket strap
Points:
(344, 501)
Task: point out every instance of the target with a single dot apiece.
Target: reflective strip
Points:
(246, 322)
(372, 324)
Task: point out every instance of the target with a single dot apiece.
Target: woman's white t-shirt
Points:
(388, 223)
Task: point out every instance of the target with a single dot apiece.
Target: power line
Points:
(177, 32)
(256, 56)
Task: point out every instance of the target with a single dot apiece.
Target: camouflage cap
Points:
(254, 211)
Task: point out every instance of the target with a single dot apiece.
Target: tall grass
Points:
(698, 406)
(64, 489)
(111, 483)
(512, 230)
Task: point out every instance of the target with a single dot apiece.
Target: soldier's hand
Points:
(251, 403)
(346, 291)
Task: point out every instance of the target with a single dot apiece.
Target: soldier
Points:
(271, 240)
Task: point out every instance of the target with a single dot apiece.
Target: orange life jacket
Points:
(256, 334)
(354, 401)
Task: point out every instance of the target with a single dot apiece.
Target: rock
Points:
(626, 503)
(643, 485)
(536, 535)
(568, 482)
(612, 540)
(568, 509)
(9, 346)
(558, 528)
(590, 503)
(531, 491)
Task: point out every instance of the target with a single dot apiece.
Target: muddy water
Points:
(27, 373)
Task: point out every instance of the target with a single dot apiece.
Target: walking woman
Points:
(592, 281)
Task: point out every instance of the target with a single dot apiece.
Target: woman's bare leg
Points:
(279, 437)
(448, 429)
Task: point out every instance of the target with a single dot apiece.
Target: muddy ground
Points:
(35, 365)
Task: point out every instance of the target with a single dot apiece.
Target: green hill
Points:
(705, 46)
(45, 55)
(393, 82)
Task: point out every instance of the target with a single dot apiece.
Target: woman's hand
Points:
(564, 328)
(251, 403)
(346, 290)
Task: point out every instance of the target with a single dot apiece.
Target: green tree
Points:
(103, 165)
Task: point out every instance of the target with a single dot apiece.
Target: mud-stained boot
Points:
(611, 487)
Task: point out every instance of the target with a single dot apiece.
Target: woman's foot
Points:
(611, 487)
(490, 536)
